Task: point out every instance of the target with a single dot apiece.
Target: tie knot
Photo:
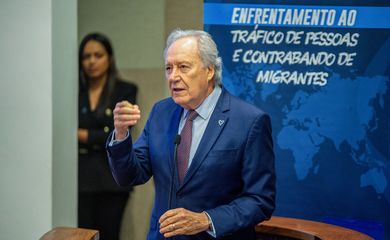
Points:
(192, 114)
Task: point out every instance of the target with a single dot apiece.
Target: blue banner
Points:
(322, 73)
(296, 15)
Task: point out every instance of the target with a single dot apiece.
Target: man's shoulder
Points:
(165, 105)
(240, 106)
(165, 102)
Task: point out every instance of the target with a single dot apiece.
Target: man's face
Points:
(189, 81)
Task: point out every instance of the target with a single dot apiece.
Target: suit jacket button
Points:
(108, 112)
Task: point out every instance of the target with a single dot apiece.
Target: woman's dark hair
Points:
(112, 74)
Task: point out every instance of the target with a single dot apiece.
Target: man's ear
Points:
(210, 73)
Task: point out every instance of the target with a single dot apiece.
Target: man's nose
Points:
(175, 75)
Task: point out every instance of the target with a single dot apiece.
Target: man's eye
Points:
(184, 67)
(167, 68)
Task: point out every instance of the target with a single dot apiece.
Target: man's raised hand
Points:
(125, 116)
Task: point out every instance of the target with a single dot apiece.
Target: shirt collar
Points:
(206, 108)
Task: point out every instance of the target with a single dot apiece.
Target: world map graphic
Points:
(314, 128)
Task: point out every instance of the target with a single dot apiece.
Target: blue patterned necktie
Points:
(183, 149)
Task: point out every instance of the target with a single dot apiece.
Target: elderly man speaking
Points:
(210, 153)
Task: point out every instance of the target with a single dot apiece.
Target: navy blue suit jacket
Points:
(231, 177)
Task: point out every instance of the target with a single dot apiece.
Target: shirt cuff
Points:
(113, 141)
(211, 231)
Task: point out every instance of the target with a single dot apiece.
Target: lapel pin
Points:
(220, 122)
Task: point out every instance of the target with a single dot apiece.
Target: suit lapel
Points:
(218, 120)
(172, 132)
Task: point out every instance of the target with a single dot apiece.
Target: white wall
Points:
(30, 126)
(65, 102)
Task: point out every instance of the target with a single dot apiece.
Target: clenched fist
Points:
(125, 116)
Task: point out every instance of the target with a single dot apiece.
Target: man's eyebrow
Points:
(178, 62)
(184, 62)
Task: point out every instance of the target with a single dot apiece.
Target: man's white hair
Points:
(207, 48)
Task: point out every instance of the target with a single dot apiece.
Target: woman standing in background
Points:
(101, 202)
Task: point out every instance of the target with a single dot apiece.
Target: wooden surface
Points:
(69, 233)
(307, 230)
